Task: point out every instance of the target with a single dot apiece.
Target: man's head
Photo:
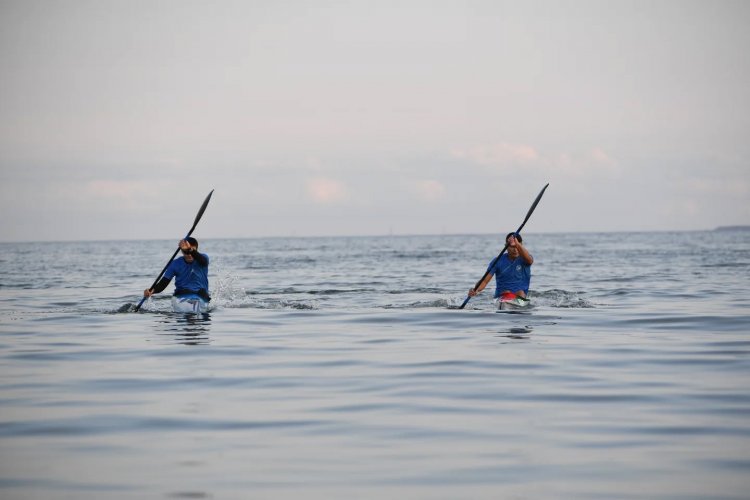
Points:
(512, 249)
(187, 254)
(518, 237)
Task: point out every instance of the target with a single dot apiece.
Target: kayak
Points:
(190, 304)
(509, 301)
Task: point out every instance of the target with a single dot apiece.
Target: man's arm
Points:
(482, 285)
(200, 258)
(525, 255)
(159, 287)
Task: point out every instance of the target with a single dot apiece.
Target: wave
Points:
(449, 303)
(561, 299)
(555, 298)
(227, 293)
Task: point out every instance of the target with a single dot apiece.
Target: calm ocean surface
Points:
(341, 368)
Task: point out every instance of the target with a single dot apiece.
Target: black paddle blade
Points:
(533, 206)
(200, 212)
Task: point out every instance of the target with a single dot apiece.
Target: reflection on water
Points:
(516, 333)
(188, 329)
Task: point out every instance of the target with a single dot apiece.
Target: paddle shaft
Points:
(518, 231)
(197, 218)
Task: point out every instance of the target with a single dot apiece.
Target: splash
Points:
(450, 303)
(554, 298)
(126, 308)
(227, 293)
(561, 299)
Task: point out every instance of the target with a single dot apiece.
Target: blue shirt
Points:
(512, 275)
(192, 276)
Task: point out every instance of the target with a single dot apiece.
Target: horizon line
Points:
(385, 235)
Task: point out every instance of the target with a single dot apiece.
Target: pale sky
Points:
(374, 117)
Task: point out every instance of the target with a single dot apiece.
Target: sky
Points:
(318, 118)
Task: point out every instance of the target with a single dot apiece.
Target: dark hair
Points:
(518, 237)
(193, 242)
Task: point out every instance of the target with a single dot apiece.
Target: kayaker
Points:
(190, 271)
(512, 271)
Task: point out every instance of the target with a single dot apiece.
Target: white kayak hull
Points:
(512, 302)
(189, 304)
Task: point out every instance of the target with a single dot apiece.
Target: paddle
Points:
(531, 210)
(197, 218)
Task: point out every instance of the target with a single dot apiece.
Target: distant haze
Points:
(347, 118)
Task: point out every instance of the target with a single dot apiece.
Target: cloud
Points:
(124, 190)
(322, 190)
(124, 194)
(505, 157)
(313, 163)
(430, 190)
(500, 156)
(599, 156)
(578, 164)
(135, 196)
(720, 187)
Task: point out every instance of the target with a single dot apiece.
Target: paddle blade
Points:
(200, 212)
(465, 302)
(533, 206)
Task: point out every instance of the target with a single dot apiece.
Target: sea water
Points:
(343, 368)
